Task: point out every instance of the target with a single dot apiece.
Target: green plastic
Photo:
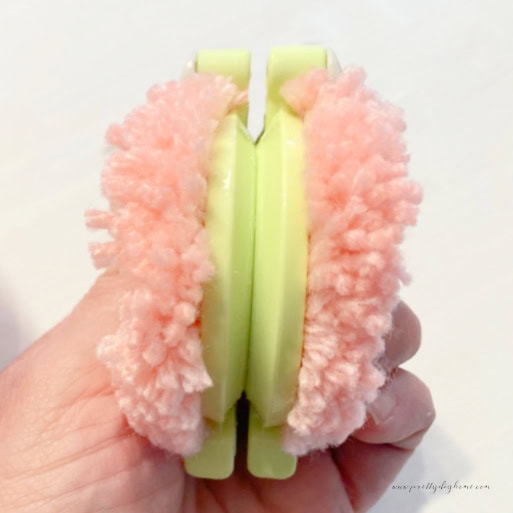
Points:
(215, 461)
(284, 63)
(280, 268)
(265, 457)
(278, 291)
(226, 306)
(234, 63)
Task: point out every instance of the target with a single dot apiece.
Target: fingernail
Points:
(383, 407)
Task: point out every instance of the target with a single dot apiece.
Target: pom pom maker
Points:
(253, 309)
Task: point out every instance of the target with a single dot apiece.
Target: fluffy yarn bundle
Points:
(156, 183)
(359, 203)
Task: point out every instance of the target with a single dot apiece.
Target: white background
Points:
(69, 68)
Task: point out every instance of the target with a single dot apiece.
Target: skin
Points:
(64, 446)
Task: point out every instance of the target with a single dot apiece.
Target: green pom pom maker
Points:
(253, 309)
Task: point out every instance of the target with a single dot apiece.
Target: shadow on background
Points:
(438, 459)
(13, 337)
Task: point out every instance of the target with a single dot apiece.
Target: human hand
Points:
(65, 446)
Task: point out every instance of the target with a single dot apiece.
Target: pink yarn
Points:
(359, 203)
(156, 184)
